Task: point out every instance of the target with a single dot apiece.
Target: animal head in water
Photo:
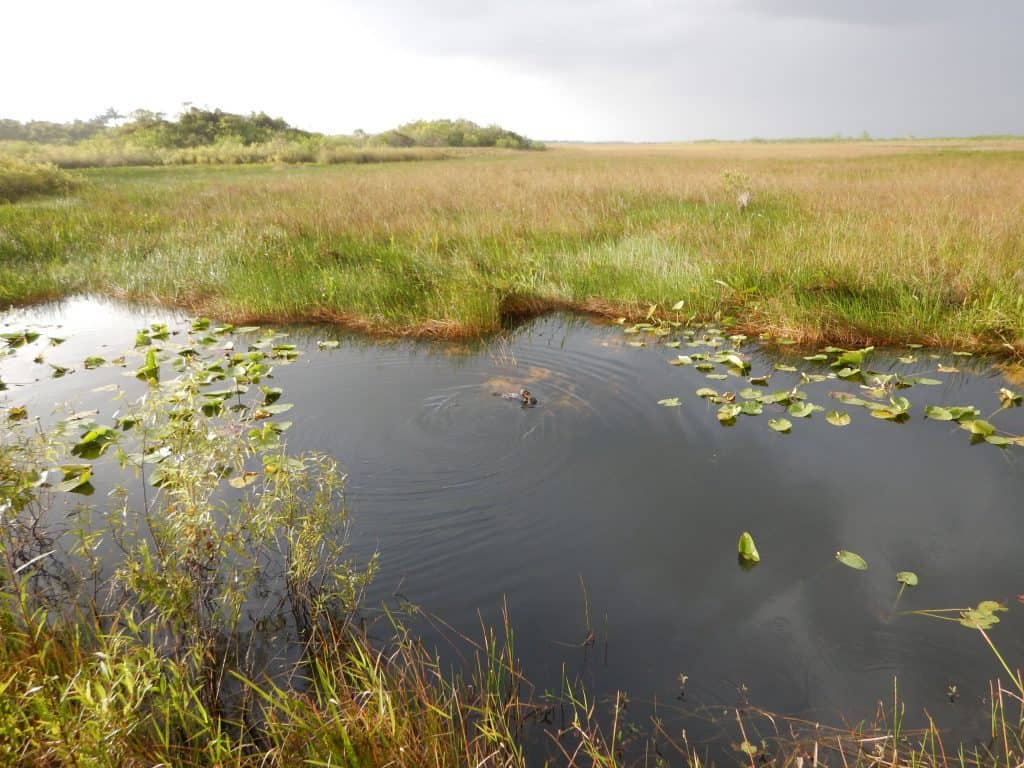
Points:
(527, 397)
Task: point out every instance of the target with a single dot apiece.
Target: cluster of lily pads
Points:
(207, 356)
(720, 358)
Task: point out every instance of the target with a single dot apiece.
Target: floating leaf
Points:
(331, 344)
(923, 380)
(58, 371)
(999, 440)
(18, 413)
(978, 427)
(852, 358)
(780, 425)
(761, 381)
(19, 339)
(801, 410)
(907, 359)
(705, 392)
(94, 443)
(747, 549)
(983, 616)
(673, 344)
(244, 479)
(728, 413)
(937, 413)
(848, 373)
(76, 479)
(681, 360)
(959, 353)
(751, 408)
(266, 411)
(947, 368)
(819, 358)
(670, 402)
(837, 418)
(93, 361)
(909, 578)
(150, 371)
(1008, 398)
(716, 376)
(851, 560)
(784, 367)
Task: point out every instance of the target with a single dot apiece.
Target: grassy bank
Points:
(851, 243)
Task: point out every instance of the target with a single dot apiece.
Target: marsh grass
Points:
(853, 244)
(20, 179)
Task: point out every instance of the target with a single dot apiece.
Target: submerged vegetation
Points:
(844, 244)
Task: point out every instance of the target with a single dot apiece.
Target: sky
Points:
(602, 70)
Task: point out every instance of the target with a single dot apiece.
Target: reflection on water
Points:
(599, 511)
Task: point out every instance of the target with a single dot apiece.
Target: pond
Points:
(609, 523)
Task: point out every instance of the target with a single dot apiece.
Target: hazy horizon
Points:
(565, 70)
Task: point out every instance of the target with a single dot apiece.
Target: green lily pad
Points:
(852, 358)
(329, 344)
(851, 560)
(747, 549)
(707, 392)
(751, 408)
(837, 418)
(728, 413)
(674, 402)
(780, 425)
(801, 410)
(150, 371)
(909, 578)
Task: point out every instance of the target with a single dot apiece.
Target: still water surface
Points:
(599, 510)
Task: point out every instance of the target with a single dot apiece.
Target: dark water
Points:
(600, 510)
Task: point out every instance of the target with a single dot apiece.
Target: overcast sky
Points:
(644, 70)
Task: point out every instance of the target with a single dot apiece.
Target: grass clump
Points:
(20, 179)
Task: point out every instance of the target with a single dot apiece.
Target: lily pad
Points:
(851, 560)
(909, 578)
(801, 410)
(747, 549)
(329, 344)
(751, 408)
(780, 425)
(837, 418)
(1008, 398)
(670, 402)
(728, 413)
(150, 371)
